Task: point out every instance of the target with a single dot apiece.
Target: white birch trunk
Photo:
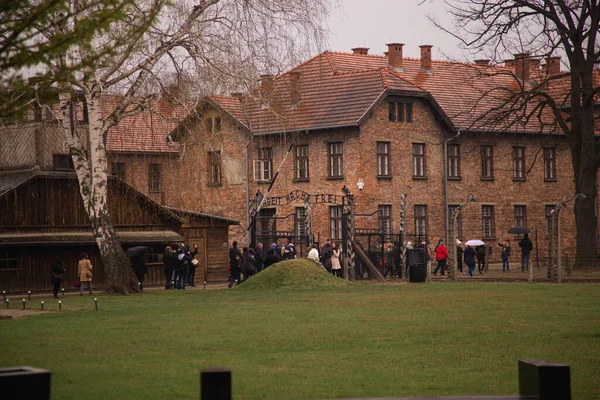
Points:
(90, 162)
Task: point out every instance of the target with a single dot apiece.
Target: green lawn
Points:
(350, 341)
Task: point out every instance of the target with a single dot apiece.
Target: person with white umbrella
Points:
(470, 259)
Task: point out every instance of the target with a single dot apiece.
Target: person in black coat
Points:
(259, 257)
(271, 258)
(326, 255)
(469, 256)
(169, 261)
(139, 267)
(526, 246)
(480, 251)
(459, 256)
(57, 274)
(191, 266)
(235, 261)
(249, 263)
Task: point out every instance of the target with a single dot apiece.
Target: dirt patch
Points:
(14, 314)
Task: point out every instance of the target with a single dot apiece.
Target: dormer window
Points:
(400, 111)
(213, 124)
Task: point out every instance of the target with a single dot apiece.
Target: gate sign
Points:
(301, 195)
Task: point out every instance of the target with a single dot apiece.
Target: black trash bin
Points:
(418, 272)
(417, 265)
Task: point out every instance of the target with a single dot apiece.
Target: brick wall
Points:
(136, 174)
(359, 162)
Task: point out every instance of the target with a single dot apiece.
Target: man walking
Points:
(526, 246)
(235, 260)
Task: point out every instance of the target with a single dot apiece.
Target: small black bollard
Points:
(59, 305)
(204, 285)
(24, 304)
(544, 380)
(63, 292)
(7, 304)
(42, 305)
(29, 295)
(96, 301)
(215, 384)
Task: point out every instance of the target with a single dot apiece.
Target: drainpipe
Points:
(445, 169)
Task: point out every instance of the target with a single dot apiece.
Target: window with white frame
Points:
(519, 163)
(454, 161)
(300, 222)
(385, 219)
(487, 221)
(383, 159)
(549, 164)
(301, 164)
(420, 220)
(263, 167)
(335, 222)
(335, 153)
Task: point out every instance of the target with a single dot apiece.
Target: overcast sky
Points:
(374, 23)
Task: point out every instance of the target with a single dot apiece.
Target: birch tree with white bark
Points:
(158, 37)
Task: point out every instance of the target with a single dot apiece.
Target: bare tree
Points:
(159, 37)
(35, 31)
(564, 102)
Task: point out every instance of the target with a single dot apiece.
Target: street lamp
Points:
(556, 213)
(452, 244)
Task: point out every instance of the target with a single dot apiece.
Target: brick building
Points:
(397, 126)
(138, 153)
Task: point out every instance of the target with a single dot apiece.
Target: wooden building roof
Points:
(46, 208)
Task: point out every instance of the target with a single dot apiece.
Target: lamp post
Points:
(452, 245)
(556, 213)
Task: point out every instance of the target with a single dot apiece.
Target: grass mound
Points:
(290, 274)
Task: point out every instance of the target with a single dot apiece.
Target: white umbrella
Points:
(474, 243)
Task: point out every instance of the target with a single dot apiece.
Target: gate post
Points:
(350, 262)
(402, 252)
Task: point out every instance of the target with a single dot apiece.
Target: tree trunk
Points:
(88, 151)
(119, 276)
(585, 219)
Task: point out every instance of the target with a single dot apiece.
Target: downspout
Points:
(445, 169)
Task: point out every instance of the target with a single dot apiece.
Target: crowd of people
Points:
(179, 266)
(476, 256)
(180, 263)
(247, 262)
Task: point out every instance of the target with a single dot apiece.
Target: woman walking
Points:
(84, 272)
(441, 255)
(336, 268)
(506, 250)
(470, 260)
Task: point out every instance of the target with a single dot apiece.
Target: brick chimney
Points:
(395, 55)
(295, 90)
(482, 62)
(552, 65)
(361, 50)
(237, 95)
(522, 66)
(426, 57)
(509, 63)
(266, 85)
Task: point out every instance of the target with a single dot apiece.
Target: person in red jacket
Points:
(441, 255)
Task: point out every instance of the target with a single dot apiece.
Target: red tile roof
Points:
(338, 89)
(146, 131)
